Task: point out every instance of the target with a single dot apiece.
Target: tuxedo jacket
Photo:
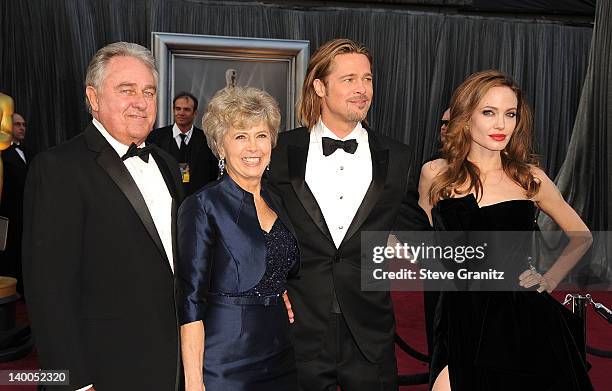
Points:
(11, 206)
(15, 170)
(98, 282)
(203, 166)
(390, 203)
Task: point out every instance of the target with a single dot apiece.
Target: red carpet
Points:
(410, 326)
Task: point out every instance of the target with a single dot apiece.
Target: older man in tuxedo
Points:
(99, 245)
(338, 178)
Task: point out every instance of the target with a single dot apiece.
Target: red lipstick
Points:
(498, 137)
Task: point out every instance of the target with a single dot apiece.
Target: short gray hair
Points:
(96, 71)
(239, 107)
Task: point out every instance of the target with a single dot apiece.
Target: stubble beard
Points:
(356, 116)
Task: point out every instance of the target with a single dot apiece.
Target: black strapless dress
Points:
(521, 340)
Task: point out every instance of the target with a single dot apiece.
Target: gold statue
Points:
(6, 129)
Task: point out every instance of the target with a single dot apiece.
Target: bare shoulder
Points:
(433, 168)
(541, 177)
(538, 173)
(547, 187)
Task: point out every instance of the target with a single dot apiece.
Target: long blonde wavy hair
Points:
(517, 158)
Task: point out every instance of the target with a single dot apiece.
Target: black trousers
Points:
(341, 363)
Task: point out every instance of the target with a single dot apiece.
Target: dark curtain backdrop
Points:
(584, 178)
(589, 160)
(419, 58)
(541, 7)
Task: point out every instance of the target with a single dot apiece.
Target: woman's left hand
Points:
(530, 278)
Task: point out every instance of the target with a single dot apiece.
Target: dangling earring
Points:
(221, 167)
(268, 166)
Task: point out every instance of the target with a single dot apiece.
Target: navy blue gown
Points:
(231, 275)
(503, 341)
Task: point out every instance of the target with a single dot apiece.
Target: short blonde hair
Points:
(240, 108)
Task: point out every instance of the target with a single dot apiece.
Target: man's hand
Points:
(288, 306)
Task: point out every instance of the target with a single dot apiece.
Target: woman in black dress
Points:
(488, 180)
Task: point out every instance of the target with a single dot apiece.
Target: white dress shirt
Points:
(176, 132)
(339, 181)
(153, 188)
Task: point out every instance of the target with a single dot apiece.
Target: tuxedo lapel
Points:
(165, 171)
(297, 155)
(380, 163)
(11, 154)
(113, 166)
(111, 163)
(276, 203)
(174, 193)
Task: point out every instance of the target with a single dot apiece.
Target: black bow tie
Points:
(142, 153)
(330, 145)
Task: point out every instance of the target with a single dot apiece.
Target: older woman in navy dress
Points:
(236, 250)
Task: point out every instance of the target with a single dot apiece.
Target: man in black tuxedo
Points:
(187, 144)
(99, 246)
(15, 160)
(337, 179)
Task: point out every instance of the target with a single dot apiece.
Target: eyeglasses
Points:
(444, 122)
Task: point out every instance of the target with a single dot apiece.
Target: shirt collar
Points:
(176, 131)
(120, 148)
(321, 130)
